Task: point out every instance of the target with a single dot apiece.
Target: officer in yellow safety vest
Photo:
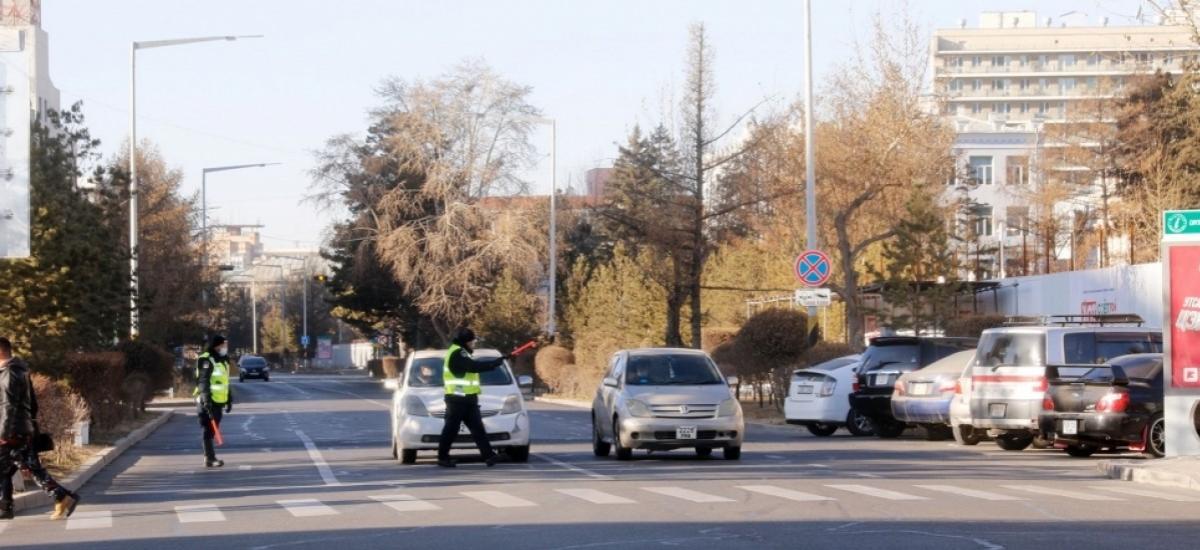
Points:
(213, 394)
(460, 372)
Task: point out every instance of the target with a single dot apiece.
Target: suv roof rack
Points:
(1023, 321)
(1076, 320)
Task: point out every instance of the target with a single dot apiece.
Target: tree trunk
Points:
(675, 299)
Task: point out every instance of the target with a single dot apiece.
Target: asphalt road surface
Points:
(308, 465)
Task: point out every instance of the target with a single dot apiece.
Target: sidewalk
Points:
(1179, 472)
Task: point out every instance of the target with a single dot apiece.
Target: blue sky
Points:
(599, 67)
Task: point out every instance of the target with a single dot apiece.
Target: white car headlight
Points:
(512, 405)
(729, 407)
(637, 408)
(414, 406)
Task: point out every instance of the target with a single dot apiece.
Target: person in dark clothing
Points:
(213, 393)
(18, 428)
(460, 371)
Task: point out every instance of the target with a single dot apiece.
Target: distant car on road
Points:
(419, 408)
(886, 359)
(818, 398)
(253, 366)
(923, 397)
(662, 399)
(1117, 405)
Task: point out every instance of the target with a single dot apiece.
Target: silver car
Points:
(664, 399)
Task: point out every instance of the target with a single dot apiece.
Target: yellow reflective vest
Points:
(468, 384)
(218, 383)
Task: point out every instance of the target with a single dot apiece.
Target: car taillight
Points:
(1042, 384)
(899, 387)
(948, 387)
(855, 386)
(828, 387)
(1047, 403)
(958, 387)
(1114, 402)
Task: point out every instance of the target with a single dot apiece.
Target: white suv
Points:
(419, 407)
(1009, 377)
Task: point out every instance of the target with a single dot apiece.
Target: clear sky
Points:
(599, 67)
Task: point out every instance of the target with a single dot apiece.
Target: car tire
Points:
(937, 432)
(623, 452)
(821, 429)
(1014, 442)
(395, 449)
(704, 452)
(408, 456)
(267, 378)
(732, 452)
(859, 425)
(967, 435)
(1156, 442)
(519, 454)
(1081, 451)
(600, 447)
(889, 429)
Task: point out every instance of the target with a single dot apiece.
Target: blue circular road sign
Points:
(813, 268)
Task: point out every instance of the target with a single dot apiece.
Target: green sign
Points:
(1181, 222)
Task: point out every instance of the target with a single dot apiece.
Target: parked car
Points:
(818, 398)
(1009, 376)
(1117, 405)
(663, 399)
(961, 425)
(253, 366)
(419, 409)
(923, 397)
(886, 359)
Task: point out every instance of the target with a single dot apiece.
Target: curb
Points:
(1139, 473)
(573, 403)
(37, 498)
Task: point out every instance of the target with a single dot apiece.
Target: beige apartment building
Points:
(1005, 84)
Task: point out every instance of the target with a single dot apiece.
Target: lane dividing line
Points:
(306, 508)
(90, 520)
(687, 494)
(1061, 493)
(968, 492)
(876, 492)
(319, 461)
(497, 499)
(406, 503)
(199, 513)
(572, 467)
(780, 492)
(595, 497)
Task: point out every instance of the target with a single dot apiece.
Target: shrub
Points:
(971, 326)
(148, 370)
(60, 409)
(553, 365)
(712, 337)
(772, 338)
(98, 377)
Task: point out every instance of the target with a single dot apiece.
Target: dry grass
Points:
(61, 462)
(765, 414)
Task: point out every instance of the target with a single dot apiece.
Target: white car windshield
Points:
(427, 373)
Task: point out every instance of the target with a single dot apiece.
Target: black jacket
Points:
(18, 404)
(461, 363)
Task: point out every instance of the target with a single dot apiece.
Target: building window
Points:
(955, 85)
(975, 108)
(981, 220)
(975, 61)
(1043, 84)
(1094, 59)
(981, 169)
(954, 61)
(1168, 58)
(999, 84)
(1142, 57)
(1016, 220)
(1093, 84)
(1016, 170)
(1023, 60)
(1067, 60)
(976, 84)
(1043, 60)
(1065, 85)
(1024, 84)
(1024, 107)
(999, 61)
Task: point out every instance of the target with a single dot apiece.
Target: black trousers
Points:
(22, 457)
(210, 452)
(463, 410)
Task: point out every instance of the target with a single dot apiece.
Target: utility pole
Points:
(810, 170)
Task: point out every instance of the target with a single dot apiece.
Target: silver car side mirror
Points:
(524, 380)
(731, 380)
(610, 382)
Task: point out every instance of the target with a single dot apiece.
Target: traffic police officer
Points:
(460, 372)
(213, 394)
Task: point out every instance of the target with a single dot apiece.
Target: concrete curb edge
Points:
(573, 403)
(1138, 473)
(80, 477)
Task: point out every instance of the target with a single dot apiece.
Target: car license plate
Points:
(804, 390)
(685, 432)
(1070, 427)
(998, 410)
(921, 388)
(883, 380)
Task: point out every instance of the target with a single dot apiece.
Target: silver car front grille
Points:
(689, 410)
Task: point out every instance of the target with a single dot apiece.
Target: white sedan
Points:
(419, 408)
(819, 398)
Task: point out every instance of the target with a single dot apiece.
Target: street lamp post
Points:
(552, 298)
(133, 181)
(204, 209)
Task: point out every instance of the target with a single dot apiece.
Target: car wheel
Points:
(821, 429)
(623, 452)
(1081, 451)
(600, 447)
(937, 432)
(519, 454)
(966, 434)
(1156, 440)
(859, 425)
(1014, 441)
(889, 429)
(732, 452)
(703, 452)
(267, 378)
(408, 456)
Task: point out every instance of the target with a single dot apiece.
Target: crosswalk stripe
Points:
(876, 492)
(1151, 494)
(783, 493)
(497, 499)
(595, 497)
(406, 503)
(1060, 493)
(307, 508)
(687, 494)
(199, 513)
(984, 495)
(101, 519)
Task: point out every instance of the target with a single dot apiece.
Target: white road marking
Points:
(245, 467)
(969, 492)
(866, 475)
(1060, 493)
(306, 508)
(817, 466)
(318, 460)
(876, 492)
(199, 513)
(1151, 494)
(406, 503)
(101, 519)
(497, 499)
(595, 497)
(784, 493)
(687, 494)
(776, 457)
(573, 467)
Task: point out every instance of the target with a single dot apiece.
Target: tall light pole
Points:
(810, 169)
(133, 182)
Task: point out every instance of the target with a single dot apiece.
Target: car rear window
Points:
(1009, 349)
(427, 373)
(882, 355)
(1097, 348)
(671, 369)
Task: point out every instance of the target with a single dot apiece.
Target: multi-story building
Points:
(239, 246)
(1006, 86)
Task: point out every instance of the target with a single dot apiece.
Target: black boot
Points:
(6, 510)
(210, 455)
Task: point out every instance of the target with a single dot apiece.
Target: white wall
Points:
(1133, 289)
(352, 356)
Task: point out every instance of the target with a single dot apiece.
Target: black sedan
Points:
(252, 366)
(885, 360)
(1117, 405)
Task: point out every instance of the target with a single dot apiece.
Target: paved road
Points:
(308, 466)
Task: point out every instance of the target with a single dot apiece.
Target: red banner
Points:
(1185, 316)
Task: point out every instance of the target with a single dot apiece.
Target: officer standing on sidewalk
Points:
(213, 394)
(460, 371)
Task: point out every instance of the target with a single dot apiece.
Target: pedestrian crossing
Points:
(609, 494)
